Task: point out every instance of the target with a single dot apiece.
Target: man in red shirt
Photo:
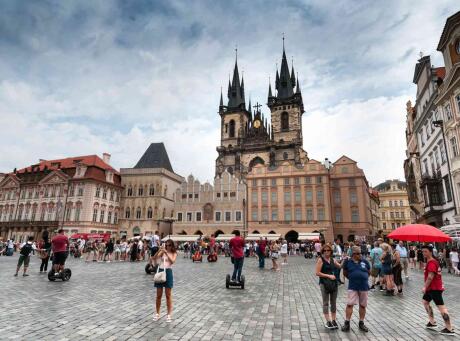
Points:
(261, 252)
(59, 244)
(237, 245)
(432, 291)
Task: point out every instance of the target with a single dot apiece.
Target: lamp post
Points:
(245, 208)
(440, 124)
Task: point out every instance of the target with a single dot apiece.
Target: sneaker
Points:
(346, 326)
(373, 287)
(381, 288)
(168, 318)
(446, 331)
(25, 275)
(156, 317)
(430, 325)
(362, 327)
(329, 325)
(334, 323)
(15, 275)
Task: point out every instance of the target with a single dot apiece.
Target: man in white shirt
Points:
(403, 255)
(337, 251)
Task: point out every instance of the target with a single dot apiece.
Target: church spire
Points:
(249, 106)
(292, 74)
(221, 104)
(236, 89)
(285, 86)
(298, 86)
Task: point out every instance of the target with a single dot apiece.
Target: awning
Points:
(225, 237)
(452, 231)
(181, 238)
(257, 236)
(309, 236)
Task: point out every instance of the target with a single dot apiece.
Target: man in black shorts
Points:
(59, 245)
(432, 291)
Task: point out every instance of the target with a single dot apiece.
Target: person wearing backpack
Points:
(24, 256)
(325, 268)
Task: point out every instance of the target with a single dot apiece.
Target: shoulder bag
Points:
(160, 277)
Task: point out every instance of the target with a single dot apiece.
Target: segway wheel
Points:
(148, 269)
(242, 281)
(66, 275)
(51, 276)
(227, 281)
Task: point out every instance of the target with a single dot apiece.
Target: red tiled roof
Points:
(70, 162)
(440, 72)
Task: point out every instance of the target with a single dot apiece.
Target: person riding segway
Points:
(212, 257)
(59, 244)
(236, 246)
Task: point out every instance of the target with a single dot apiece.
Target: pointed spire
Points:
(277, 81)
(242, 88)
(286, 86)
(221, 104)
(249, 106)
(236, 89)
(292, 74)
(269, 89)
(298, 86)
(229, 91)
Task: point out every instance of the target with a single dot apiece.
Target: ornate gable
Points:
(54, 177)
(10, 181)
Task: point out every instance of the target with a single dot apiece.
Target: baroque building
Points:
(394, 205)
(448, 102)
(148, 194)
(80, 194)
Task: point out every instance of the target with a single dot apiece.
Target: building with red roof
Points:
(80, 194)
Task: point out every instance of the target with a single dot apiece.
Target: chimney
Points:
(106, 158)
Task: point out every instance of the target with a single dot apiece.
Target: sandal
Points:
(168, 318)
(156, 317)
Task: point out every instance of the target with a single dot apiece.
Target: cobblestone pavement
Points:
(114, 301)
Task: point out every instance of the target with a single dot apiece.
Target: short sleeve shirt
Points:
(436, 283)
(358, 274)
(60, 243)
(237, 245)
(376, 253)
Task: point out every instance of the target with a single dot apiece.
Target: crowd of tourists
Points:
(383, 265)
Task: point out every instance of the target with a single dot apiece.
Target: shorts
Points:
(59, 258)
(357, 297)
(386, 270)
(375, 272)
(154, 250)
(435, 296)
(169, 280)
(23, 260)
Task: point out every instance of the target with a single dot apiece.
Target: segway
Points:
(229, 283)
(63, 275)
(150, 268)
(212, 258)
(197, 257)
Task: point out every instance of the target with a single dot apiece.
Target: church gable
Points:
(54, 177)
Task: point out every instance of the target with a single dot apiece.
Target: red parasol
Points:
(419, 233)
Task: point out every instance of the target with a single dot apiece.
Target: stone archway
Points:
(136, 231)
(183, 232)
(255, 161)
(272, 232)
(256, 232)
(292, 236)
(218, 232)
(198, 233)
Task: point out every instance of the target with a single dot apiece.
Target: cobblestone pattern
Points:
(115, 301)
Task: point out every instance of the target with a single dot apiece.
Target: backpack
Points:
(26, 249)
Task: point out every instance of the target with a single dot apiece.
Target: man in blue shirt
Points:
(357, 271)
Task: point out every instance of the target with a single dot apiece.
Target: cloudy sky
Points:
(87, 77)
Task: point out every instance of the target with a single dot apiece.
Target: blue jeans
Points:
(261, 260)
(237, 268)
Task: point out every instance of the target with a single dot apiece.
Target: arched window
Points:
(140, 191)
(130, 191)
(231, 128)
(164, 213)
(138, 213)
(284, 121)
(149, 213)
(127, 213)
(151, 190)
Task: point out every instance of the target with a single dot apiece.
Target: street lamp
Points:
(440, 124)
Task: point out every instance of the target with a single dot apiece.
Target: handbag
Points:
(160, 277)
(329, 285)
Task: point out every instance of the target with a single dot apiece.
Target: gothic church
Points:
(247, 138)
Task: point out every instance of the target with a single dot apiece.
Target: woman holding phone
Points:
(165, 258)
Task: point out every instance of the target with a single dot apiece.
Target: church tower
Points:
(286, 108)
(234, 115)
